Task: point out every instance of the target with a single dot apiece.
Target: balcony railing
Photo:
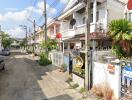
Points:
(68, 33)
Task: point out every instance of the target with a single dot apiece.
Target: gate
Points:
(126, 80)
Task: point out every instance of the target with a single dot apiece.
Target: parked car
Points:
(5, 52)
(2, 63)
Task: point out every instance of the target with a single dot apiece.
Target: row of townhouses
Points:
(71, 24)
(73, 36)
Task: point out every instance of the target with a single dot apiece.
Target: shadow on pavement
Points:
(39, 70)
(22, 80)
(60, 97)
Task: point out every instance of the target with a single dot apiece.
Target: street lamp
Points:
(25, 28)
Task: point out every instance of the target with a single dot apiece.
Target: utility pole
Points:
(34, 26)
(26, 39)
(0, 28)
(87, 42)
(45, 16)
(25, 28)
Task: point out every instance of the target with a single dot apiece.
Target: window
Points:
(84, 20)
(66, 46)
(130, 17)
(91, 18)
(97, 17)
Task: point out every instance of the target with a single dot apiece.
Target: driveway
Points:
(24, 79)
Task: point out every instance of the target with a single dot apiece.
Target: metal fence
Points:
(102, 55)
(56, 57)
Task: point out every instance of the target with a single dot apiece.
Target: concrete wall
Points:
(101, 75)
(56, 57)
(115, 10)
(78, 80)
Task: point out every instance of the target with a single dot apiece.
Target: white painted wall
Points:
(115, 10)
(108, 11)
(56, 58)
(101, 76)
(78, 80)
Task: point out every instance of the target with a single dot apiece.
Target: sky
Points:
(14, 13)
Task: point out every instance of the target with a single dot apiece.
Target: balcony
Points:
(68, 33)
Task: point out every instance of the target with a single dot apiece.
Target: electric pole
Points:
(26, 39)
(87, 42)
(45, 25)
(34, 26)
(0, 28)
(25, 28)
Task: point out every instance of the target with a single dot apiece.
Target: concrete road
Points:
(24, 79)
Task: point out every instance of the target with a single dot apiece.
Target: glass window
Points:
(66, 46)
(91, 18)
(97, 16)
(130, 17)
(84, 20)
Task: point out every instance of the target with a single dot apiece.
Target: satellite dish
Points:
(73, 22)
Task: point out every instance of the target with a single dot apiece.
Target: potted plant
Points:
(63, 68)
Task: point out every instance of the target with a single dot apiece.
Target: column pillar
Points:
(94, 13)
(54, 29)
(94, 19)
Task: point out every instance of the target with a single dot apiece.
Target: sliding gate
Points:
(126, 81)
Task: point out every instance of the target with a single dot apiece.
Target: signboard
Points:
(78, 61)
(111, 68)
(127, 72)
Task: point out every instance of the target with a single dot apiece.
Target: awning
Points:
(92, 36)
(76, 38)
(98, 36)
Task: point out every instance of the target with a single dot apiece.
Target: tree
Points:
(6, 40)
(120, 32)
(49, 44)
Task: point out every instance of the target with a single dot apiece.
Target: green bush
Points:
(63, 67)
(82, 90)
(44, 61)
(75, 86)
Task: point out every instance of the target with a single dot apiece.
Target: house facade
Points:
(53, 28)
(34, 41)
(73, 22)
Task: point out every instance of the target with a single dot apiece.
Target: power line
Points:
(58, 14)
(33, 6)
(53, 5)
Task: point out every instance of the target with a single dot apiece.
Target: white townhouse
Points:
(73, 22)
(127, 12)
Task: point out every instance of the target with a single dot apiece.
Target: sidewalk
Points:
(54, 84)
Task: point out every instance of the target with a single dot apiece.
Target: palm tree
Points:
(121, 33)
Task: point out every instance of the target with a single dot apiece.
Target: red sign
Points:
(58, 35)
(111, 68)
(129, 5)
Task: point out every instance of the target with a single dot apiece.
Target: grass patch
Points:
(82, 90)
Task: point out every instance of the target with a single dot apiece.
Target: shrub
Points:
(44, 61)
(75, 85)
(82, 90)
(103, 91)
(63, 67)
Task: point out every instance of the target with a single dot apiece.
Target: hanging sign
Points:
(129, 5)
(58, 35)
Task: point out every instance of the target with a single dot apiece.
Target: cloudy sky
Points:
(14, 13)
